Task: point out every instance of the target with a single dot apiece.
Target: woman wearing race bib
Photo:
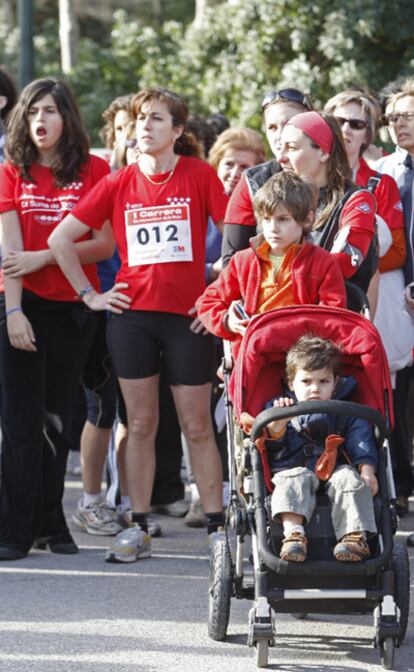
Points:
(159, 208)
(45, 330)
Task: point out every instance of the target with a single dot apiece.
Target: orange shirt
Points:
(276, 287)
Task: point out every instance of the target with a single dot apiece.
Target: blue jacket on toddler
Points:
(304, 440)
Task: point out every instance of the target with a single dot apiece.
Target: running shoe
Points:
(353, 547)
(97, 519)
(176, 509)
(130, 545)
(294, 547)
(195, 516)
(124, 518)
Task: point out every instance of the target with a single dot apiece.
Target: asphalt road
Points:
(80, 614)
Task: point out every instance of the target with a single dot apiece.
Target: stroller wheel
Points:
(401, 567)
(262, 652)
(387, 653)
(219, 591)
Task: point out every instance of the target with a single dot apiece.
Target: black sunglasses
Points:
(355, 124)
(291, 95)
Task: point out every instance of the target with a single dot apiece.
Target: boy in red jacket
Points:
(280, 268)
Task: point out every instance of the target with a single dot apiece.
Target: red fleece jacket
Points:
(317, 279)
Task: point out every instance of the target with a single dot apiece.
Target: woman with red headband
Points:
(312, 146)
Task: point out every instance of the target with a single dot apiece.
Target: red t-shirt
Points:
(240, 207)
(41, 206)
(160, 230)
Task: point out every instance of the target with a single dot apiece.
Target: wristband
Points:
(84, 291)
(13, 310)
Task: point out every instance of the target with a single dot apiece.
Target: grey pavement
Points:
(80, 614)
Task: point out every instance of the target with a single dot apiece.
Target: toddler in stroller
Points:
(307, 449)
(379, 582)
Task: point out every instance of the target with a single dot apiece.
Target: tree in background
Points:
(233, 52)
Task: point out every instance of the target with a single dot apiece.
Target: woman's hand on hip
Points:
(196, 325)
(113, 300)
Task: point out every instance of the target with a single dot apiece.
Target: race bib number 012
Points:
(158, 235)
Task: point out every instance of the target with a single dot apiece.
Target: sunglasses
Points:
(395, 118)
(355, 124)
(291, 95)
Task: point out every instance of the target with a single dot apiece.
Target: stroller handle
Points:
(332, 406)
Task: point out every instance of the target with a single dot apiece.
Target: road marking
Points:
(88, 573)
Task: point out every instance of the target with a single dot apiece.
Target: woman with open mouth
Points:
(45, 330)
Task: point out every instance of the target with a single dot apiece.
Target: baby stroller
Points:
(320, 584)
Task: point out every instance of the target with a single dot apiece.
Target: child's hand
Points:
(277, 428)
(282, 402)
(235, 324)
(367, 474)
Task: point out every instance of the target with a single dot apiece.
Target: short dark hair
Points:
(312, 353)
(73, 146)
(288, 189)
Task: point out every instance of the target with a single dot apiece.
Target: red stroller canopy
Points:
(260, 366)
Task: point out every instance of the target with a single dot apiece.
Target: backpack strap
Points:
(332, 225)
(373, 182)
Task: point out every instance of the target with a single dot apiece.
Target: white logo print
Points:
(73, 185)
(179, 199)
(364, 207)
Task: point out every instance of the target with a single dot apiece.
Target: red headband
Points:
(316, 128)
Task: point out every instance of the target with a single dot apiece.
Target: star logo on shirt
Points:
(28, 185)
(179, 199)
(73, 185)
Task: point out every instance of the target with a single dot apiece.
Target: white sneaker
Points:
(195, 516)
(130, 545)
(176, 509)
(97, 519)
(124, 518)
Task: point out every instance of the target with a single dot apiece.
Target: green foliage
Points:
(237, 53)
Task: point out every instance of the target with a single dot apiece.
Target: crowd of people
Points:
(120, 277)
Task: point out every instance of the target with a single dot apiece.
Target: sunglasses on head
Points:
(290, 95)
(355, 124)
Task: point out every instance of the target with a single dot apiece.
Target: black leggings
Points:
(138, 339)
(38, 391)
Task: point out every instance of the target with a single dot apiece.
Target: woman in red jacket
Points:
(358, 115)
(45, 331)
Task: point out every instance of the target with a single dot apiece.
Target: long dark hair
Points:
(339, 173)
(186, 144)
(73, 146)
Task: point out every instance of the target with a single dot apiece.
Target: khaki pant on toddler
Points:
(351, 499)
